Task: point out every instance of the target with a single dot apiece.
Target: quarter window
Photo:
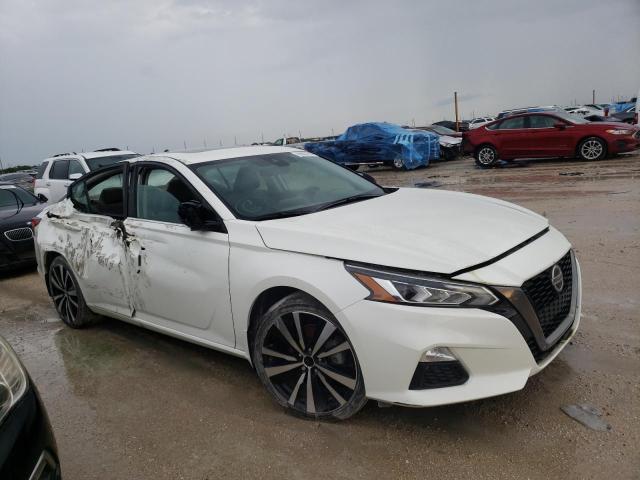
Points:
(59, 170)
(41, 170)
(159, 193)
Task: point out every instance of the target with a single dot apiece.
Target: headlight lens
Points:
(619, 131)
(392, 287)
(13, 379)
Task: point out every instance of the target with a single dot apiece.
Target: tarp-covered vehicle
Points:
(379, 143)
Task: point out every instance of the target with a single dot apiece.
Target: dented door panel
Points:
(94, 248)
(179, 279)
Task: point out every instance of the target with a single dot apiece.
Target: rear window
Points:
(99, 162)
(41, 169)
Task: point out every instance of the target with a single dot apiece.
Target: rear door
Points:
(59, 177)
(510, 137)
(94, 241)
(180, 280)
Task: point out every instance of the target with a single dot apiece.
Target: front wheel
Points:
(305, 360)
(592, 148)
(486, 156)
(67, 297)
(398, 163)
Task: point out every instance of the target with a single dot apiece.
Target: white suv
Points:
(335, 288)
(56, 173)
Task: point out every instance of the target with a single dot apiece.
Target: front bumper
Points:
(391, 339)
(17, 252)
(624, 144)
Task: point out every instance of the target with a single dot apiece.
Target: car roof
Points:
(189, 158)
(87, 155)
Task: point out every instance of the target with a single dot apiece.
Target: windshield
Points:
(570, 118)
(99, 162)
(283, 184)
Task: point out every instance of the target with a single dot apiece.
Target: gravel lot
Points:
(129, 403)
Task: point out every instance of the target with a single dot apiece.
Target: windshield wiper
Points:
(344, 201)
(285, 214)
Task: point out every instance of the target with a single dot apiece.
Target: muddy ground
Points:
(126, 403)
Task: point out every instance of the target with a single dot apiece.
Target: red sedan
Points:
(548, 134)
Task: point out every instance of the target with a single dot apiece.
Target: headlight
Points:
(385, 286)
(13, 379)
(619, 131)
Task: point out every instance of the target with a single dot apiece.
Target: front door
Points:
(544, 139)
(180, 278)
(92, 240)
(511, 138)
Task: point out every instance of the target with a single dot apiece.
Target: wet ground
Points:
(126, 403)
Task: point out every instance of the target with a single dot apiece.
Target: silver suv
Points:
(56, 173)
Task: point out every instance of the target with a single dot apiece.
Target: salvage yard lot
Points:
(130, 403)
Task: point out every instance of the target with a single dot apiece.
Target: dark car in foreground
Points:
(17, 208)
(27, 445)
(549, 134)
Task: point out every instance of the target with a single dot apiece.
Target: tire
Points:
(486, 156)
(591, 149)
(306, 362)
(398, 163)
(67, 296)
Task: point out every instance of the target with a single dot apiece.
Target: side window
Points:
(512, 123)
(541, 121)
(41, 170)
(105, 193)
(75, 167)
(79, 197)
(159, 193)
(59, 170)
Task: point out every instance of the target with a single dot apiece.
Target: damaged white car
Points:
(336, 289)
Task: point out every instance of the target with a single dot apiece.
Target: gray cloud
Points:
(82, 74)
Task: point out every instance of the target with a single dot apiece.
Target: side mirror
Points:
(560, 125)
(42, 198)
(198, 217)
(75, 176)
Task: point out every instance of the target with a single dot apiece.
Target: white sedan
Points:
(334, 288)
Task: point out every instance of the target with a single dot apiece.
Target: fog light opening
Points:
(438, 354)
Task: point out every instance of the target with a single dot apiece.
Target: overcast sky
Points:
(151, 74)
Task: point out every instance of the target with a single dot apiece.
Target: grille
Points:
(19, 234)
(438, 375)
(551, 307)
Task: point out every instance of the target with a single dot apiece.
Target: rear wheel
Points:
(486, 156)
(305, 360)
(592, 148)
(66, 295)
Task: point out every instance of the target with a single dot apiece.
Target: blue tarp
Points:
(379, 142)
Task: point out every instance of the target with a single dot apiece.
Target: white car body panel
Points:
(448, 141)
(201, 286)
(411, 229)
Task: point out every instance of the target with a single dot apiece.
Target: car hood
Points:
(426, 230)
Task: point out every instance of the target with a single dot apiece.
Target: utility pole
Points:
(185, 145)
(235, 140)
(593, 96)
(1, 167)
(262, 136)
(455, 101)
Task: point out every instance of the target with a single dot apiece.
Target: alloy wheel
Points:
(486, 156)
(309, 363)
(591, 149)
(398, 163)
(64, 293)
